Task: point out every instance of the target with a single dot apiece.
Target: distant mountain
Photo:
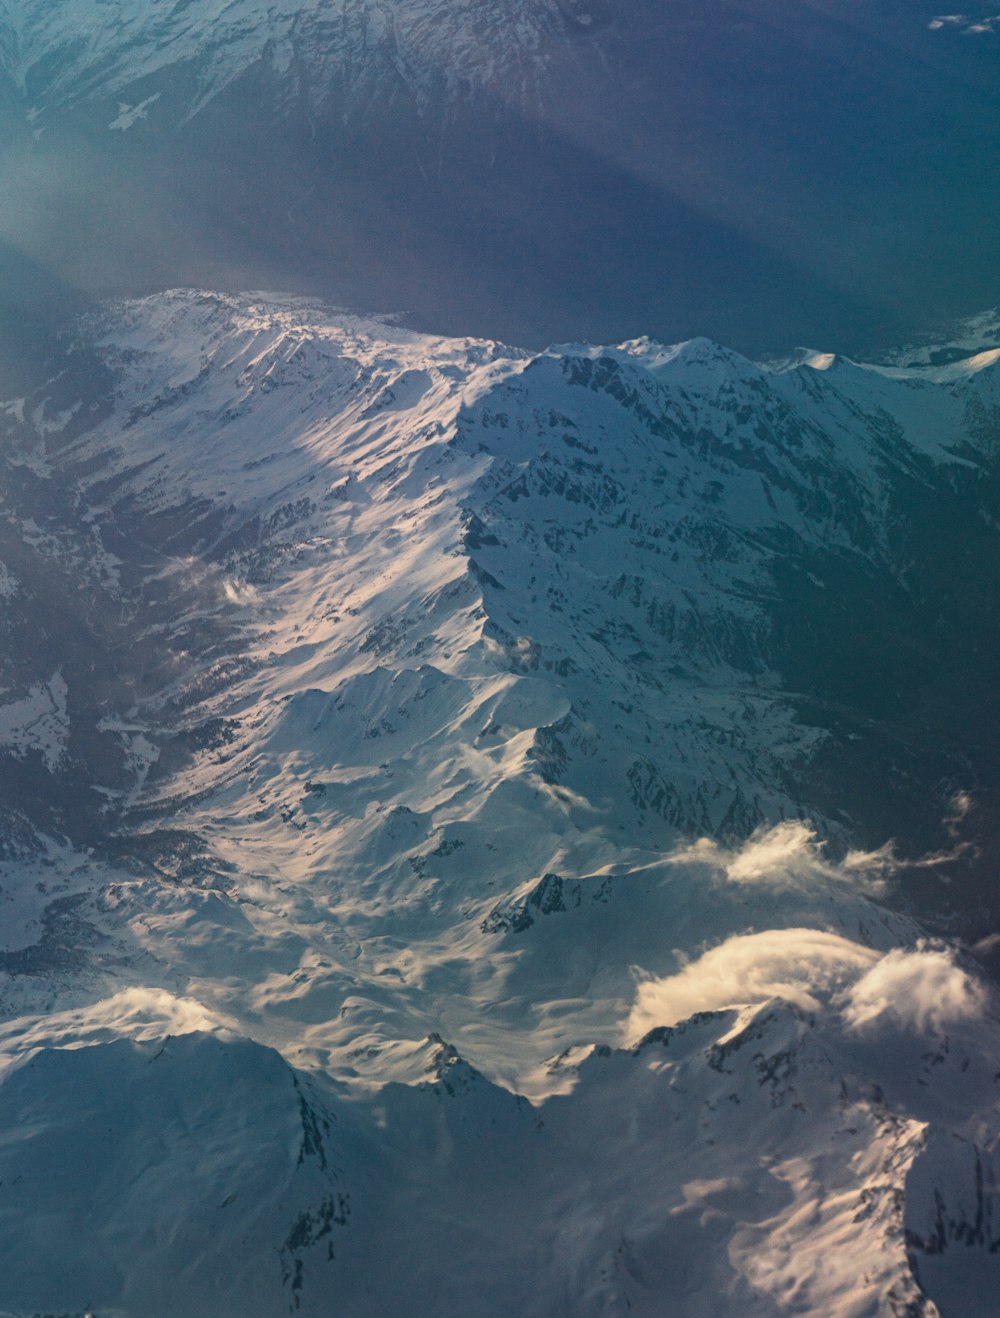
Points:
(532, 169)
(464, 804)
(358, 53)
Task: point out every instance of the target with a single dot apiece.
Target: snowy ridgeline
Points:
(454, 923)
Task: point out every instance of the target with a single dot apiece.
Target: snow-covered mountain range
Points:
(449, 795)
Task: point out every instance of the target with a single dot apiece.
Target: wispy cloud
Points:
(921, 990)
(790, 856)
(963, 23)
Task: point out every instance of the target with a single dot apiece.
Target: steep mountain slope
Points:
(390, 701)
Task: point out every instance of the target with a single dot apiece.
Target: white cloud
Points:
(789, 856)
(963, 23)
(785, 851)
(803, 966)
(922, 990)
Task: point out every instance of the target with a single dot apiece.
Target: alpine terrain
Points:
(492, 831)
(499, 791)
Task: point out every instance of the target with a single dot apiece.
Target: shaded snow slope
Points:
(454, 831)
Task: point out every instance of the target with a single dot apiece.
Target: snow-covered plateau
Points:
(494, 832)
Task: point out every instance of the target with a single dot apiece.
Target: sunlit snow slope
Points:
(444, 791)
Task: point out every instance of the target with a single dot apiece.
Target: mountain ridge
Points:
(454, 744)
